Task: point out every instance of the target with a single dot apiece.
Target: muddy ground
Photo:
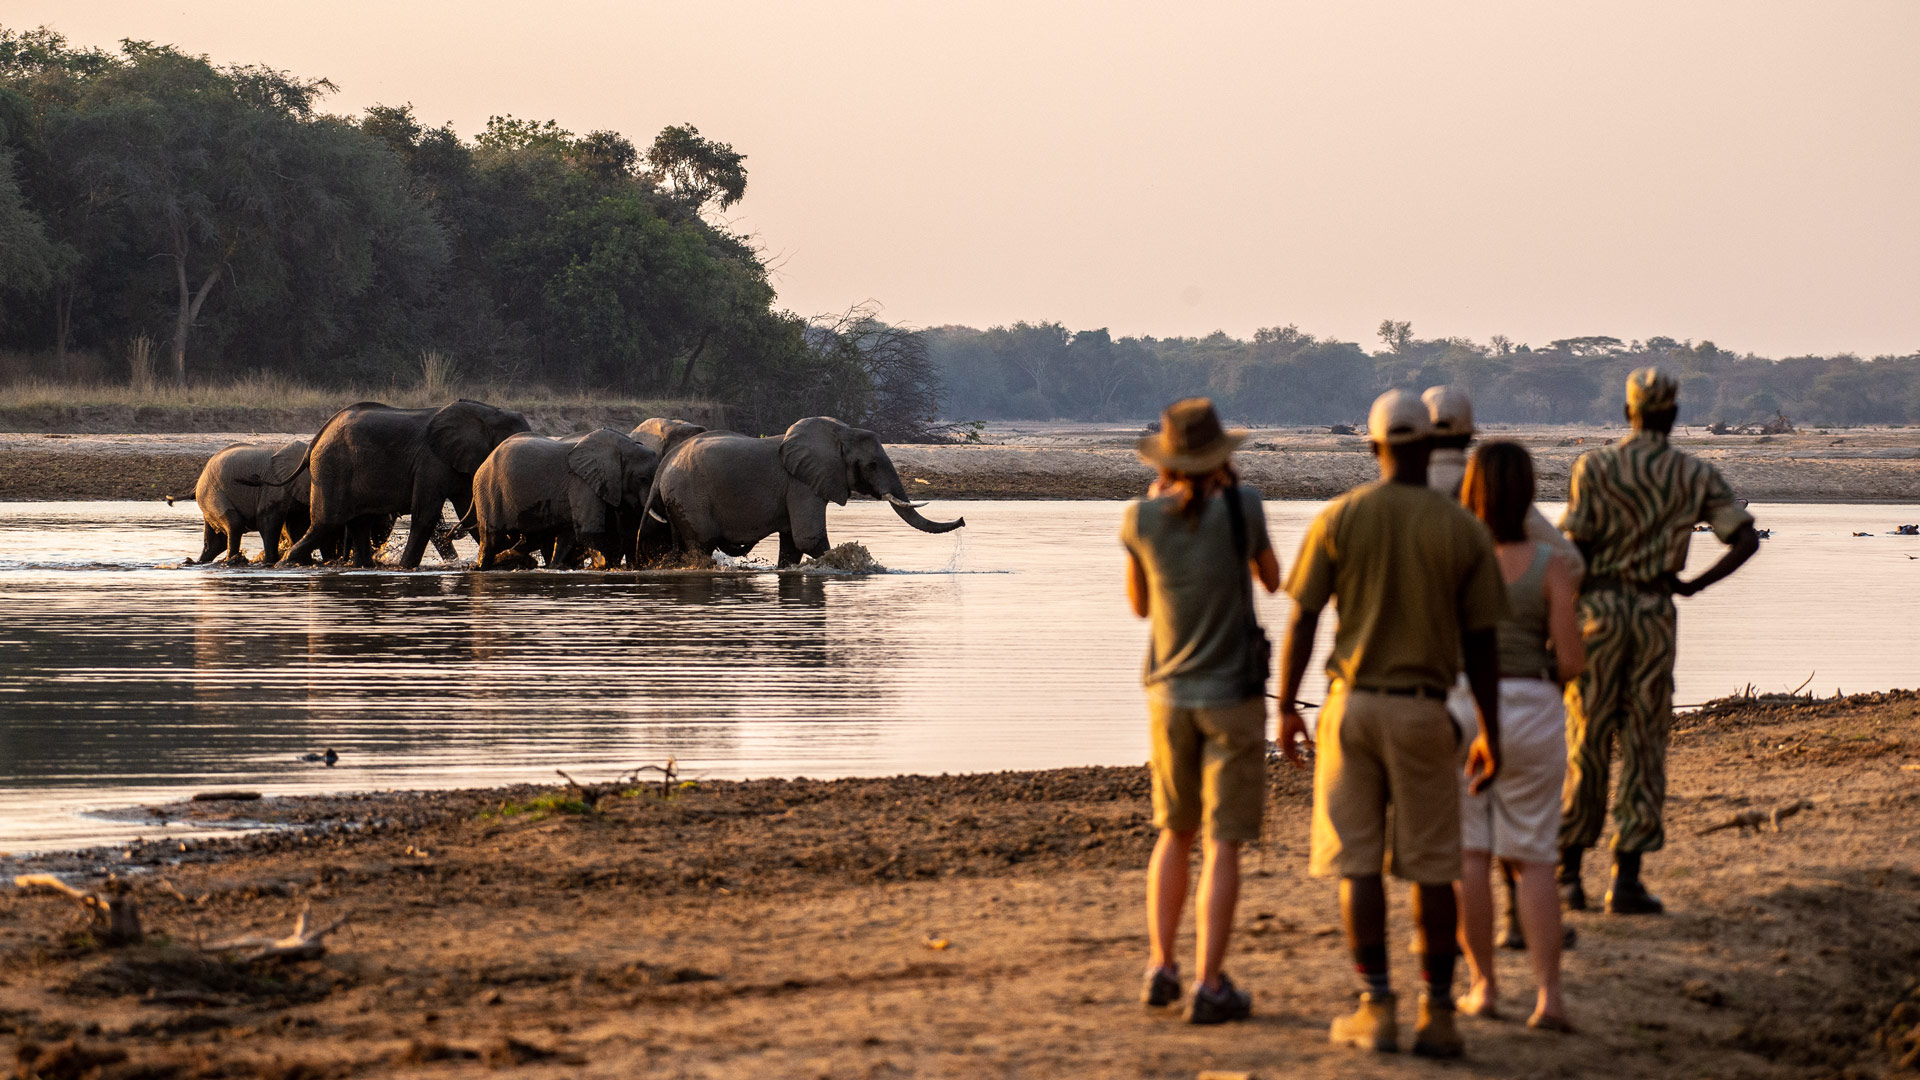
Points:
(950, 926)
(1071, 461)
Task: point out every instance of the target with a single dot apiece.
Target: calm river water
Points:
(1006, 645)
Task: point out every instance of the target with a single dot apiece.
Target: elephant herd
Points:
(635, 498)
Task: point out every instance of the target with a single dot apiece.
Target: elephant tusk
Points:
(898, 501)
(655, 515)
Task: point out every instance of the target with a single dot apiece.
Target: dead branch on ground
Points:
(303, 944)
(116, 914)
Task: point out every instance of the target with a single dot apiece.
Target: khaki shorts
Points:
(1518, 816)
(1384, 793)
(1210, 765)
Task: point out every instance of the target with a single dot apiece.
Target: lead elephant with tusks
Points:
(727, 491)
(372, 459)
(533, 492)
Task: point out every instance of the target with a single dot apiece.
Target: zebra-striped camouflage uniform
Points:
(1632, 506)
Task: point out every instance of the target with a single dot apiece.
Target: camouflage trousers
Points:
(1625, 696)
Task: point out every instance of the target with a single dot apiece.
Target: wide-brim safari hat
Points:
(1191, 439)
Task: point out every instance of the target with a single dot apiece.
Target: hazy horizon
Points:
(1735, 172)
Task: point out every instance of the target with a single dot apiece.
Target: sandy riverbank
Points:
(1077, 461)
(957, 926)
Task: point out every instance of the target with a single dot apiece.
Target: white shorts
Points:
(1518, 817)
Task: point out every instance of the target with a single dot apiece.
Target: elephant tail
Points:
(468, 523)
(171, 499)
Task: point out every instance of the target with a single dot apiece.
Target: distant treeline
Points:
(155, 204)
(1284, 376)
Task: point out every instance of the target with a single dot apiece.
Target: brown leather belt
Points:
(1405, 691)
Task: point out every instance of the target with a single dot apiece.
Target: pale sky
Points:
(1746, 171)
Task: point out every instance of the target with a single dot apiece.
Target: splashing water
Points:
(851, 557)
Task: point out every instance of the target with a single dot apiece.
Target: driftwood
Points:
(303, 944)
(1751, 820)
(591, 794)
(116, 914)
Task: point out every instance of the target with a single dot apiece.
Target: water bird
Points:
(329, 757)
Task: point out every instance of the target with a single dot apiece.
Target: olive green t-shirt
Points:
(1197, 597)
(1409, 570)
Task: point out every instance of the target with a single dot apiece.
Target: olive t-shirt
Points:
(1197, 596)
(1408, 569)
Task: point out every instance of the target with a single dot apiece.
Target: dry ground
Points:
(792, 928)
(1051, 461)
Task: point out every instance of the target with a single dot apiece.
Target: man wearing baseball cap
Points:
(1417, 588)
(1453, 431)
(1631, 509)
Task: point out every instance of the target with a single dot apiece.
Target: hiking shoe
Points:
(1372, 1026)
(1160, 988)
(1435, 1035)
(1632, 898)
(1219, 1005)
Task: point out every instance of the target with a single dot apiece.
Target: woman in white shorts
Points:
(1517, 819)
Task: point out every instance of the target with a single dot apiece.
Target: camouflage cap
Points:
(1649, 390)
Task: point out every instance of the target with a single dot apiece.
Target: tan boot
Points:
(1435, 1035)
(1372, 1026)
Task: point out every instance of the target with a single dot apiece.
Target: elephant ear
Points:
(812, 451)
(596, 459)
(287, 458)
(458, 435)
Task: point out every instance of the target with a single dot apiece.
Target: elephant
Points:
(662, 435)
(231, 509)
(533, 492)
(727, 491)
(645, 544)
(371, 458)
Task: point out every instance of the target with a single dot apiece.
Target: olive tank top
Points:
(1523, 633)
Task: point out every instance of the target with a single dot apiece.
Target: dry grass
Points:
(435, 385)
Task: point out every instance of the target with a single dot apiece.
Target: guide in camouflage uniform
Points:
(1631, 510)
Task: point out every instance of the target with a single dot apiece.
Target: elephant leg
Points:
(211, 541)
(360, 543)
(560, 555)
(426, 511)
(490, 548)
(270, 540)
(322, 536)
(806, 522)
(789, 551)
(236, 531)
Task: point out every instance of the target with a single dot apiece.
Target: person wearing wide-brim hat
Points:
(1189, 556)
(1414, 579)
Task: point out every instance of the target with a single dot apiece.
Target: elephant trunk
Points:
(910, 514)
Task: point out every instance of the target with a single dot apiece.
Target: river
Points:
(130, 679)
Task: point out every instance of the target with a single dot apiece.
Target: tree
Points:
(1397, 335)
(696, 170)
(206, 162)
